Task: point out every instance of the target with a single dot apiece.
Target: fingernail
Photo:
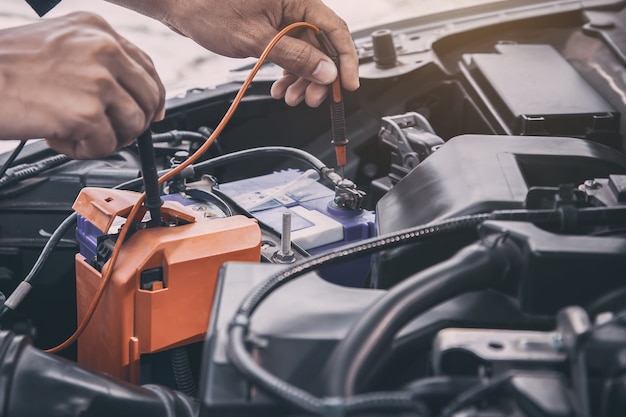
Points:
(276, 91)
(325, 73)
(159, 116)
(294, 102)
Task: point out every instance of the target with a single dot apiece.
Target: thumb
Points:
(304, 60)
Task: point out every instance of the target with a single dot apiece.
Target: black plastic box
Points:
(533, 90)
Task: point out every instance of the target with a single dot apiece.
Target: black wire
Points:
(236, 349)
(205, 166)
(212, 197)
(361, 248)
(476, 394)
(52, 242)
(31, 170)
(57, 235)
(12, 157)
(242, 360)
(177, 136)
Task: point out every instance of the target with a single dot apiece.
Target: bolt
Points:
(266, 244)
(285, 255)
(557, 342)
(592, 184)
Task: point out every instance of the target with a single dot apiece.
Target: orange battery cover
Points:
(130, 321)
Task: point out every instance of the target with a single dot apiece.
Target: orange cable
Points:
(108, 269)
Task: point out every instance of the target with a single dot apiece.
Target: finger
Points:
(96, 141)
(348, 59)
(339, 34)
(349, 72)
(141, 58)
(304, 60)
(280, 86)
(315, 94)
(144, 69)
(295, 92)
(159, 115)
(126, 117)
(138, 84)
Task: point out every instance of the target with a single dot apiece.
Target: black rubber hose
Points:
(218, 161)
(476, 394)
(241, 359)
(183, 376)
(373, 402)
(34, 383)
(438, 391)
(359, 249)
(474, 267)
(613, 301)
(31, 170)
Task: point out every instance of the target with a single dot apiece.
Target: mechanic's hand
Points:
(243, 28)
(75, 82)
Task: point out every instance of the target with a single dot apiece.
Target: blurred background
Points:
(181, 61)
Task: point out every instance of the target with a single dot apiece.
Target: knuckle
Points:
(89, 114)
(300, 59)
(88, 18)
(104, 82)
(106, 46)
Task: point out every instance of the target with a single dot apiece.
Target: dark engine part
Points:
(295, 352)
(411, 140)
(552, 263)
(33, 381)
(533, 90)
(479, 173)
(476, 174)
(591, 354)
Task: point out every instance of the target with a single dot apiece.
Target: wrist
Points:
(156, 9)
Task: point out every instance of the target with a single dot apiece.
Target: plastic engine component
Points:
(547, 95)
(161, 292)
(479, 173)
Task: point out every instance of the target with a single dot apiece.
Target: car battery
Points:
(318, 226)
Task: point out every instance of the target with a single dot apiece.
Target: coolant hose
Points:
(34, 383)
(475, 267)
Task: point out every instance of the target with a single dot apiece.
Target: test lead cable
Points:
(337, 113)
(107, 271)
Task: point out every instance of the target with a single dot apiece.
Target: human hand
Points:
(243, 28)
(77, 83)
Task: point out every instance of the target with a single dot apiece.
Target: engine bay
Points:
(468, 261)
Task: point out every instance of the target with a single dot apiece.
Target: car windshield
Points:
(181, 62)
